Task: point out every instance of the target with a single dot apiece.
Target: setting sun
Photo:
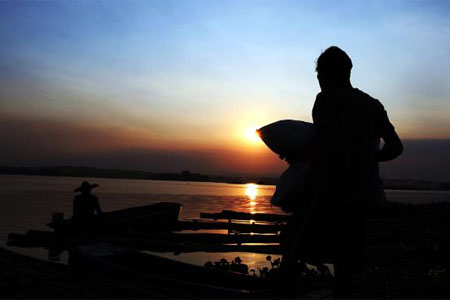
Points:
(252, 135)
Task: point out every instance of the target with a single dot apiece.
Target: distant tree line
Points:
(71, 171)
(186, 175)
(102, 173)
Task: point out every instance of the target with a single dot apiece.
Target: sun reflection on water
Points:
(251, 190)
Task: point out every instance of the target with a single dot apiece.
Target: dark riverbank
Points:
(23, 277)
(70, 171)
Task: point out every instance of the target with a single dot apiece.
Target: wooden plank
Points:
(234, 215)
(164, 242)
(185, 247)
(212, 238)
(231, 227)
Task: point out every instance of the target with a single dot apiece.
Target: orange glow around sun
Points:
(251, 134)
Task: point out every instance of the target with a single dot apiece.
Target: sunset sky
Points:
(174, 85)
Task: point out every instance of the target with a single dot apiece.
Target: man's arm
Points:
(392, 148)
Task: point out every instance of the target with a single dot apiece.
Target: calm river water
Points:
(27, 202)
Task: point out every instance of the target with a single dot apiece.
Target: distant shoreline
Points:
(71, 171)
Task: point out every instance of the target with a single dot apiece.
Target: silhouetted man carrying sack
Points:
(85, 205)
(346, 183)
(349, 124)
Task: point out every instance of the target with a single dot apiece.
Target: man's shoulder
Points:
(353, 97)
(358, 93)
(371, 101)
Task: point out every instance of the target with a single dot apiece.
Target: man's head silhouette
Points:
(333, 68)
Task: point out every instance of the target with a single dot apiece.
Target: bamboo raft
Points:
(113, 247)
(161, 231)
(157, 228)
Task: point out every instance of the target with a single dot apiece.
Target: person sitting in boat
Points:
(85, 205)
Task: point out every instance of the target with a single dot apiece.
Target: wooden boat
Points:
(154, 217)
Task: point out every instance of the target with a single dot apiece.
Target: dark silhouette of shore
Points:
(185, 175)
(71, 171)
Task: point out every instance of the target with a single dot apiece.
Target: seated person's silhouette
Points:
(85, 205)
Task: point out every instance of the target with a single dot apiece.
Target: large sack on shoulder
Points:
(287, 137)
